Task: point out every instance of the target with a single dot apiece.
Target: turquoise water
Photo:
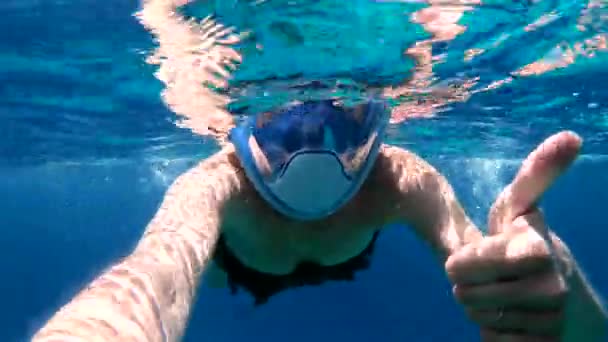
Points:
(82, 121)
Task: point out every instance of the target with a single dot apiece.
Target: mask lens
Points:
(348, 132)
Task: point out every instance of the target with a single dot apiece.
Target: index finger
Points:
(538, 171)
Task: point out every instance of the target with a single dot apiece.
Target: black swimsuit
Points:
(262, 286)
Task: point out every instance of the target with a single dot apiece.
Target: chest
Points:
(264, 240)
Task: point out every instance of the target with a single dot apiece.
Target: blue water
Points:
(88, 148)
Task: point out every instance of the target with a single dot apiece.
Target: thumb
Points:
(538, 171)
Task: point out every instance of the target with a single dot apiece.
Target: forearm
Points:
(586, 313)
(148, 295)
(132, 301)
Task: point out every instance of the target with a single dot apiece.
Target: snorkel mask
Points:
(308, 160)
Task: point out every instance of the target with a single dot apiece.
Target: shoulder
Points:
(413, 189)
(216, 178)
(221, 166)
(406, 171)
(204, 188)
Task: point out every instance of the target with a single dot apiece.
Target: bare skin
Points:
(401, 188)
(148, 295)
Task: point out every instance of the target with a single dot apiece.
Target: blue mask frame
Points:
(293, 190)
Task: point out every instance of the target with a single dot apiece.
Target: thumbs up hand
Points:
(516, 281)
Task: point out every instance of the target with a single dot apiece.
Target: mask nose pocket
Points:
(329, 186)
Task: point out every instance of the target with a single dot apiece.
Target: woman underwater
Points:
(297, 195)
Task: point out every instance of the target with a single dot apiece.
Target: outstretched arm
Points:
(148, 295)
